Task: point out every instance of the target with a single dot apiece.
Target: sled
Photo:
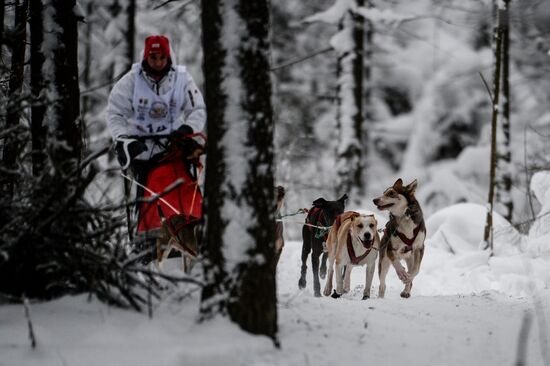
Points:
(171, 186)
(172, 181)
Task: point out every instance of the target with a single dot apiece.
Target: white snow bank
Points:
(455, 263)
(539, 234)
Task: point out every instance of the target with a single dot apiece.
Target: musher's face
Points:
(157, 61)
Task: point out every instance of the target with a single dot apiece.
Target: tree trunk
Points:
(350, 164)
(240, 233)
(64, 110)
(38, 107)
(2, 12)
(130, 33)
(14, 141)
(216, 103)
(367, 64)
(504, 184)
(86, 72)
(488, 234)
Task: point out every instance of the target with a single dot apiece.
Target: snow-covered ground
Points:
(466, 308)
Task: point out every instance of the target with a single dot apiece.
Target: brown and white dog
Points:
(404, 235)
(352, 241)
(178, 233)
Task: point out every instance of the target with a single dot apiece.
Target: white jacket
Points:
(120, 105)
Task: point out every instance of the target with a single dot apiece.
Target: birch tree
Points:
(239, 196)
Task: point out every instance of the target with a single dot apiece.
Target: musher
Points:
(153, 102)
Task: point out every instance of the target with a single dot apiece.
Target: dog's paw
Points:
(403, 276)
(405, 294)
(335, 295)
(302, 283)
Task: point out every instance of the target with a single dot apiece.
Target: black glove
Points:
(186, 144)
(182, 132)
(127, 149)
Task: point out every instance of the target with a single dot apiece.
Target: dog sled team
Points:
(155, 114)
(353, 240)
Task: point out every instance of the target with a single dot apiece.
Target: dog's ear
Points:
(411, 187)
(398, 183)
(343, 198)
(320, 202)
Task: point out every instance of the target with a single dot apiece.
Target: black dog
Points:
(323, 213)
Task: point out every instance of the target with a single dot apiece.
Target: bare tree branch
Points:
(298, 60)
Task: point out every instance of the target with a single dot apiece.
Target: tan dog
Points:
(177, 233)
(352, 241)
(404, 235)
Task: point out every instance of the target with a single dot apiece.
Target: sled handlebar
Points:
(167, 136)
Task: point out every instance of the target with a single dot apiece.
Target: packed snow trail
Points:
(471, 329)
(480, 329)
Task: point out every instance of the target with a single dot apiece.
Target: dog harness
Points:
(404, 239)
(317, 216)
(354, 259)
(175, 230)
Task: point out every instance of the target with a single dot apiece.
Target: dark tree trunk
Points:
(488, 233)
(338, 98)
(2, 12)
(247, 293)
(367, 65)
(358, 73)
(131, 32)
(255, 307)
(86, 72)
(216, 103)
(14, 109)
(38, 108)
(505, 156)
(67, 106)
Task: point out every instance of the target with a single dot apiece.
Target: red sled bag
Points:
(185, 198)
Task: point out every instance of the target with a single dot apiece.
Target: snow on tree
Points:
(349, 45)
(504, 155)
(239, 192)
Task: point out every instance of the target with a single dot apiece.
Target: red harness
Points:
(354, 259)
(316, 215)
(404, 239)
